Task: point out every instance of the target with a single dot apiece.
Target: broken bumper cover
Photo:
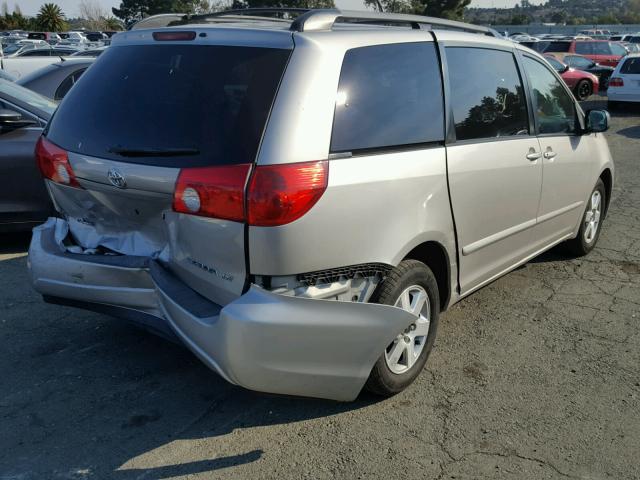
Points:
(261, 341)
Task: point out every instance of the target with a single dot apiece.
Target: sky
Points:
(70, 7)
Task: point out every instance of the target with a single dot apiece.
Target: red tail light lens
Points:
(173, 36)
(280, 194)
(616, 82)
(53, 163)
(212, 191)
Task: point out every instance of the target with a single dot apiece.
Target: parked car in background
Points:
(90, 52)
(538, 46)
(21, 66)
(603, 52)
(55, 80)
(49, 51)
(95, 36)
(49, 37)
(596, 33)
(582, 84)
(624, 85)
(24, 201)
(21, 46)
(76, 39)
(621, 37)
(214, 207)
(578, 62)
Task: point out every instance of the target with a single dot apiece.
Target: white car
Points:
(624, 84)
(21, 66)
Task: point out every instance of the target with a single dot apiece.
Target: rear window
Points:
(631, 66)
(558, 47)
(388, 96)
(172, 105)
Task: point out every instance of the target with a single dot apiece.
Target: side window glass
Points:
(554, 108)
(601, 48)
(487, 102)
(584, 48)
(617, 49)
(388, 95)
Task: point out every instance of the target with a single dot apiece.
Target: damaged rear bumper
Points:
(262, 341)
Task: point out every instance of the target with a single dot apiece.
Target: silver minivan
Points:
(298, 199)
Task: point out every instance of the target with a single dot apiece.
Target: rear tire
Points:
(406, 285)
(591, 223)
(583, 90)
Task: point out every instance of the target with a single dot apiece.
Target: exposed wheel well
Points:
(435, 257)
(607, 179)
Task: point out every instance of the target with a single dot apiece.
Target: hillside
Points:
(570, 12)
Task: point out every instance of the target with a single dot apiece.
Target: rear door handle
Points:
(549, 154)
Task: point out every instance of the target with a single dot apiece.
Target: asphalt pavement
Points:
(536, 376)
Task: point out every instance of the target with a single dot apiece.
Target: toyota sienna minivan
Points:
(298, 199)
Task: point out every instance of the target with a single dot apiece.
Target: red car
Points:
(583, 84)
(603, 52)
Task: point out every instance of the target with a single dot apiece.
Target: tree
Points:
(112, 24)
(50, 18)
(133, 10)
(453, 9)
(93, 14)
(284, 3)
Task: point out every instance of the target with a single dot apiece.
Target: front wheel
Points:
(584, 89)
(591, 224)
(412, 287)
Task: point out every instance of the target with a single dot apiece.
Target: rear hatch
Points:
(160, 137)
(630, 74)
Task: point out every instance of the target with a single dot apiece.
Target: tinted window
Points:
(200, 105)
(66, 85)
(486, 93)
(557, 66)
(389, 95)
(36, 53)
(559, 47)
(584, 48)
(579, 62)
(617, 49)
(631, 66)
(554, 108)
(634, 39)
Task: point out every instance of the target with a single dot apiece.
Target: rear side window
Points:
(617, 49)
(585, 48)
(67, 83)
(389, 95)
(631, 66)
(486, 93)
(172, 105)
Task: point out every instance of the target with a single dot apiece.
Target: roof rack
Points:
(324, 19)
(256, 14)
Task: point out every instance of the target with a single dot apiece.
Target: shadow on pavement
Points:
(14, 242)
(82, 392)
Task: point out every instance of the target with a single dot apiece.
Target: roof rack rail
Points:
(258, 14)
(324, 19)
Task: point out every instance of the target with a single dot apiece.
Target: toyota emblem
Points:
(116, 178)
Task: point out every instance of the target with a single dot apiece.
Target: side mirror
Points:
(10, 119)
(597, 121)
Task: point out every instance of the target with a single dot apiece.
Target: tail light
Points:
(212, 191)
(616, 82)
(280, 194)
(53, 163)
(171, 36)
(277, 194)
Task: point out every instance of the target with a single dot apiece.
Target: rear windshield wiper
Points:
(154, 152)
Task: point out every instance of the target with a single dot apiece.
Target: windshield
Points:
(172, 105)
(26, 96)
